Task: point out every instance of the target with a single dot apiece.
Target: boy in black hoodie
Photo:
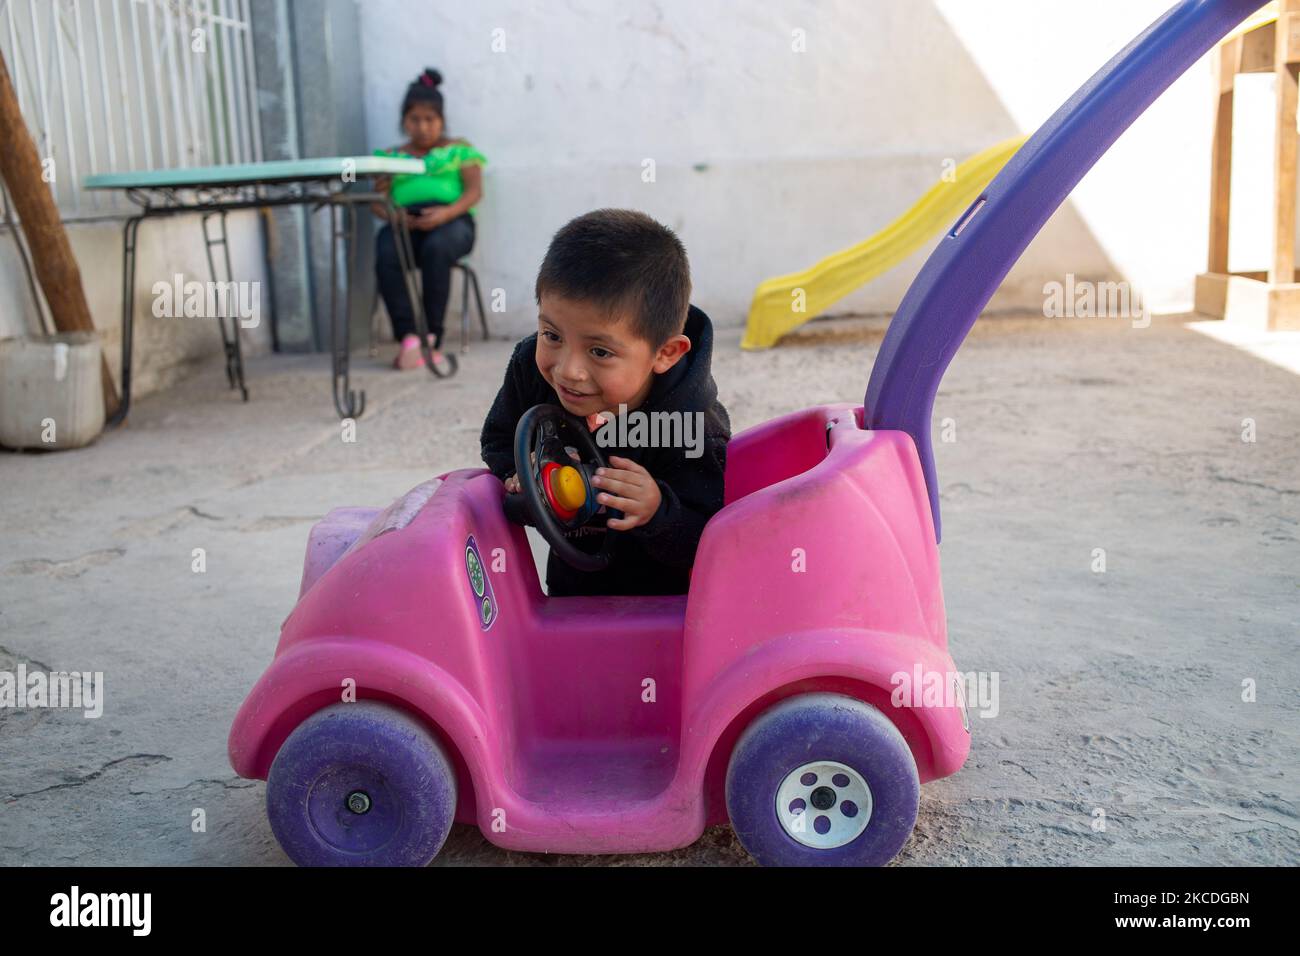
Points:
(617, 333)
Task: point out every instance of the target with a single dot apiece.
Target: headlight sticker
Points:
(480, 585)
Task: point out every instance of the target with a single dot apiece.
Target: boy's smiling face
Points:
(596, 363)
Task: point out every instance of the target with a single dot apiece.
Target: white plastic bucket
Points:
(51, 391)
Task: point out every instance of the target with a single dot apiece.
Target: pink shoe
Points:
(410, 356)
(441, 363)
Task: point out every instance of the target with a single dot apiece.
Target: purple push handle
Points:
(970, 262)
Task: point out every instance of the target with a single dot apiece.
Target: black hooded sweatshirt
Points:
(656, 557)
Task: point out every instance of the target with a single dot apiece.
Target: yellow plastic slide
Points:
(783, 303)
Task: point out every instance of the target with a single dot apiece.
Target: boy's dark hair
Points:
(424, 89)
(622, 260)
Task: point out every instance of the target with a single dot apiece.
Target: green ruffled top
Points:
(440, 181)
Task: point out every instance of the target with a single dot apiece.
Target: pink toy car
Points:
(617, 724)
(629, 724)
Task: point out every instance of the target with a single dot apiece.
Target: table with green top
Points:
(215, 191)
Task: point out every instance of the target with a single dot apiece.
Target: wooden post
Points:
(1268, 299)
(1282, 267)
(1225, 75)
(56, 268)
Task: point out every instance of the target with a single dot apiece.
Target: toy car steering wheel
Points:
(557, 490)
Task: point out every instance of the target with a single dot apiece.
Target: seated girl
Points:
(436, 206)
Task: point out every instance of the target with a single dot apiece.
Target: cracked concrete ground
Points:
(1119, 692)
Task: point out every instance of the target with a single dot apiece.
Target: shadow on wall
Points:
(765, 160)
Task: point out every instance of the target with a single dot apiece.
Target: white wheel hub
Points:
(823, 804)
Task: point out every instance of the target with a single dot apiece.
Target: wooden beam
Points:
(1255, 50)
(56, 268)
(1282, 266)
(1221, 167)
(1289, 36)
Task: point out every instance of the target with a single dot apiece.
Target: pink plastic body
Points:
(604, 725)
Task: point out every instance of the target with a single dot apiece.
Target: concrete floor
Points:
(1119, 691)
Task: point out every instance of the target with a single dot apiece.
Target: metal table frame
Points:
(215, 202)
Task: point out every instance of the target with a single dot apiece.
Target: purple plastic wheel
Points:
(361, 784)
(822, 780)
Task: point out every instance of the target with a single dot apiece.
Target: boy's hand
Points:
(629, 488)
(512, 485)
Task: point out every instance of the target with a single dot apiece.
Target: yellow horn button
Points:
(568, 487)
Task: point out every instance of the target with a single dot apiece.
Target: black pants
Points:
(436, 251)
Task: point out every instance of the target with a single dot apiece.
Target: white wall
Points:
(768, 160)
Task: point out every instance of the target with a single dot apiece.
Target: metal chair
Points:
(468, 278)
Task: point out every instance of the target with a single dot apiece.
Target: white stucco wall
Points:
(768, 160)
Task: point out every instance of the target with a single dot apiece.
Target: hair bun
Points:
(430, 77)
